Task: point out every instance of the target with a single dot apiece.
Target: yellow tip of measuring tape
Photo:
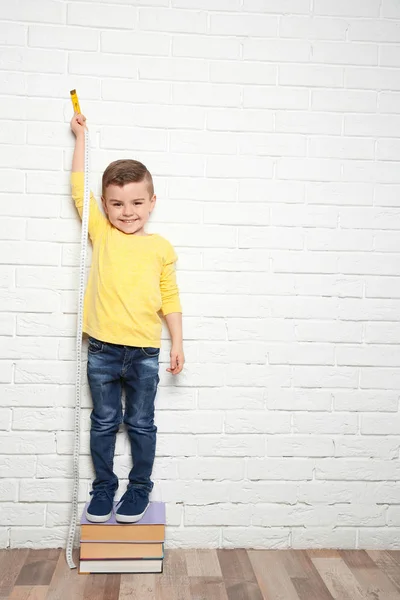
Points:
(75, 101)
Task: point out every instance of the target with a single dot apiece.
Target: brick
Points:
(345, 53)
(206, 94)
(377, 30)
(193, 537)
(276, 50)
(103, 65)
(197, 142)
(364, 400)
(143, 91)
(277, 6)
(125, 42)
(173, 69)
(218, 514)
(369, 447)
(17, 467)
(312, 28)
(389, 56)
(31, 348)
(311, 75)
(7, 324)
(309, 400)
(24, 300)
(342, 147)
(232, 445)
(11, 182)
(17, 513)
(311, 169)
(357, 470)
(390, 9)
(341, 7)
(12, 34)
(183, 422)
(24, 158)
(174, 20)
(239, 398)
(46, 325)
(31, 59)
(295, 469)
(371, 78)
(80, 14)
(8, 490)
(274, 144)
(229, 5)
(66, 38)
(326, 537)
(339, 193)
(218, 469)
(242, 72)
(5, 414)
(323, 423)
(297, 445)
(206, 47)
(53, 12)
(6, 370)
(244, 25)
(344, 101)
(379, 538)
(45, 372)
(308, 122)
(341, 377)
(239, 120)
(258, 537)
(248, 167)
(257, 422)
(39, 537)
(275, 97)
(12, 132)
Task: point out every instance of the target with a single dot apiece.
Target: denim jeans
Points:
(111, 368)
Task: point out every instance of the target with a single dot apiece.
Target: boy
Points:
(132, 278)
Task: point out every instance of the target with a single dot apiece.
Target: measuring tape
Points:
(78, 384)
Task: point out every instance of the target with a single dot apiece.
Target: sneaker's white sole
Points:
(98, 518)
(130, 518)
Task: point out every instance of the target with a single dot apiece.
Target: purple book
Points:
(154, 515)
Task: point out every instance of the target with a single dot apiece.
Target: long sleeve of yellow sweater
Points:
(132, 280)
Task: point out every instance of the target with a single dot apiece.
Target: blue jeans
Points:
(111, 368)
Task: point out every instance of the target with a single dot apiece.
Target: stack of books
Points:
(113, 547)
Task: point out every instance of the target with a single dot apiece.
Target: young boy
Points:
(132, 278)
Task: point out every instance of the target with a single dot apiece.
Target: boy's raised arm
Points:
(78, 126)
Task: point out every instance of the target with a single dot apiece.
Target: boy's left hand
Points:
(177, 360)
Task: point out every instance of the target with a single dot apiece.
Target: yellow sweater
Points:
(131, 279)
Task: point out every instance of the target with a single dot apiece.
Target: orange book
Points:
(150, 528)
(102, 551)
(122, 533)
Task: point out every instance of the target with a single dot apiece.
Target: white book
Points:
(121, 566)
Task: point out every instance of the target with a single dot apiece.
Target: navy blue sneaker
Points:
(101, 506)
(132, 505)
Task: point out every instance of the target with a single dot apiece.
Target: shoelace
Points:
(102, 492)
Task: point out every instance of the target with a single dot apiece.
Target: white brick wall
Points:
(271, 128)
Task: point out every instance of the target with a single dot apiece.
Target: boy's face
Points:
(128, 207)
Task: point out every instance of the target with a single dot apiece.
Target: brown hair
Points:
(125, 171)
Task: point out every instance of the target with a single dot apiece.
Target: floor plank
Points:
(29, 592)
(373, 581)
(11, 563)
(202, 563)
(386, 563)
(38, 568)
(235, 564)
(338, 578)
(272, 577)
(66, 582)
(236, 574)
(305, 578)
(207, 588)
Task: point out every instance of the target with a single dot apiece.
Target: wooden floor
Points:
(210, 575)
